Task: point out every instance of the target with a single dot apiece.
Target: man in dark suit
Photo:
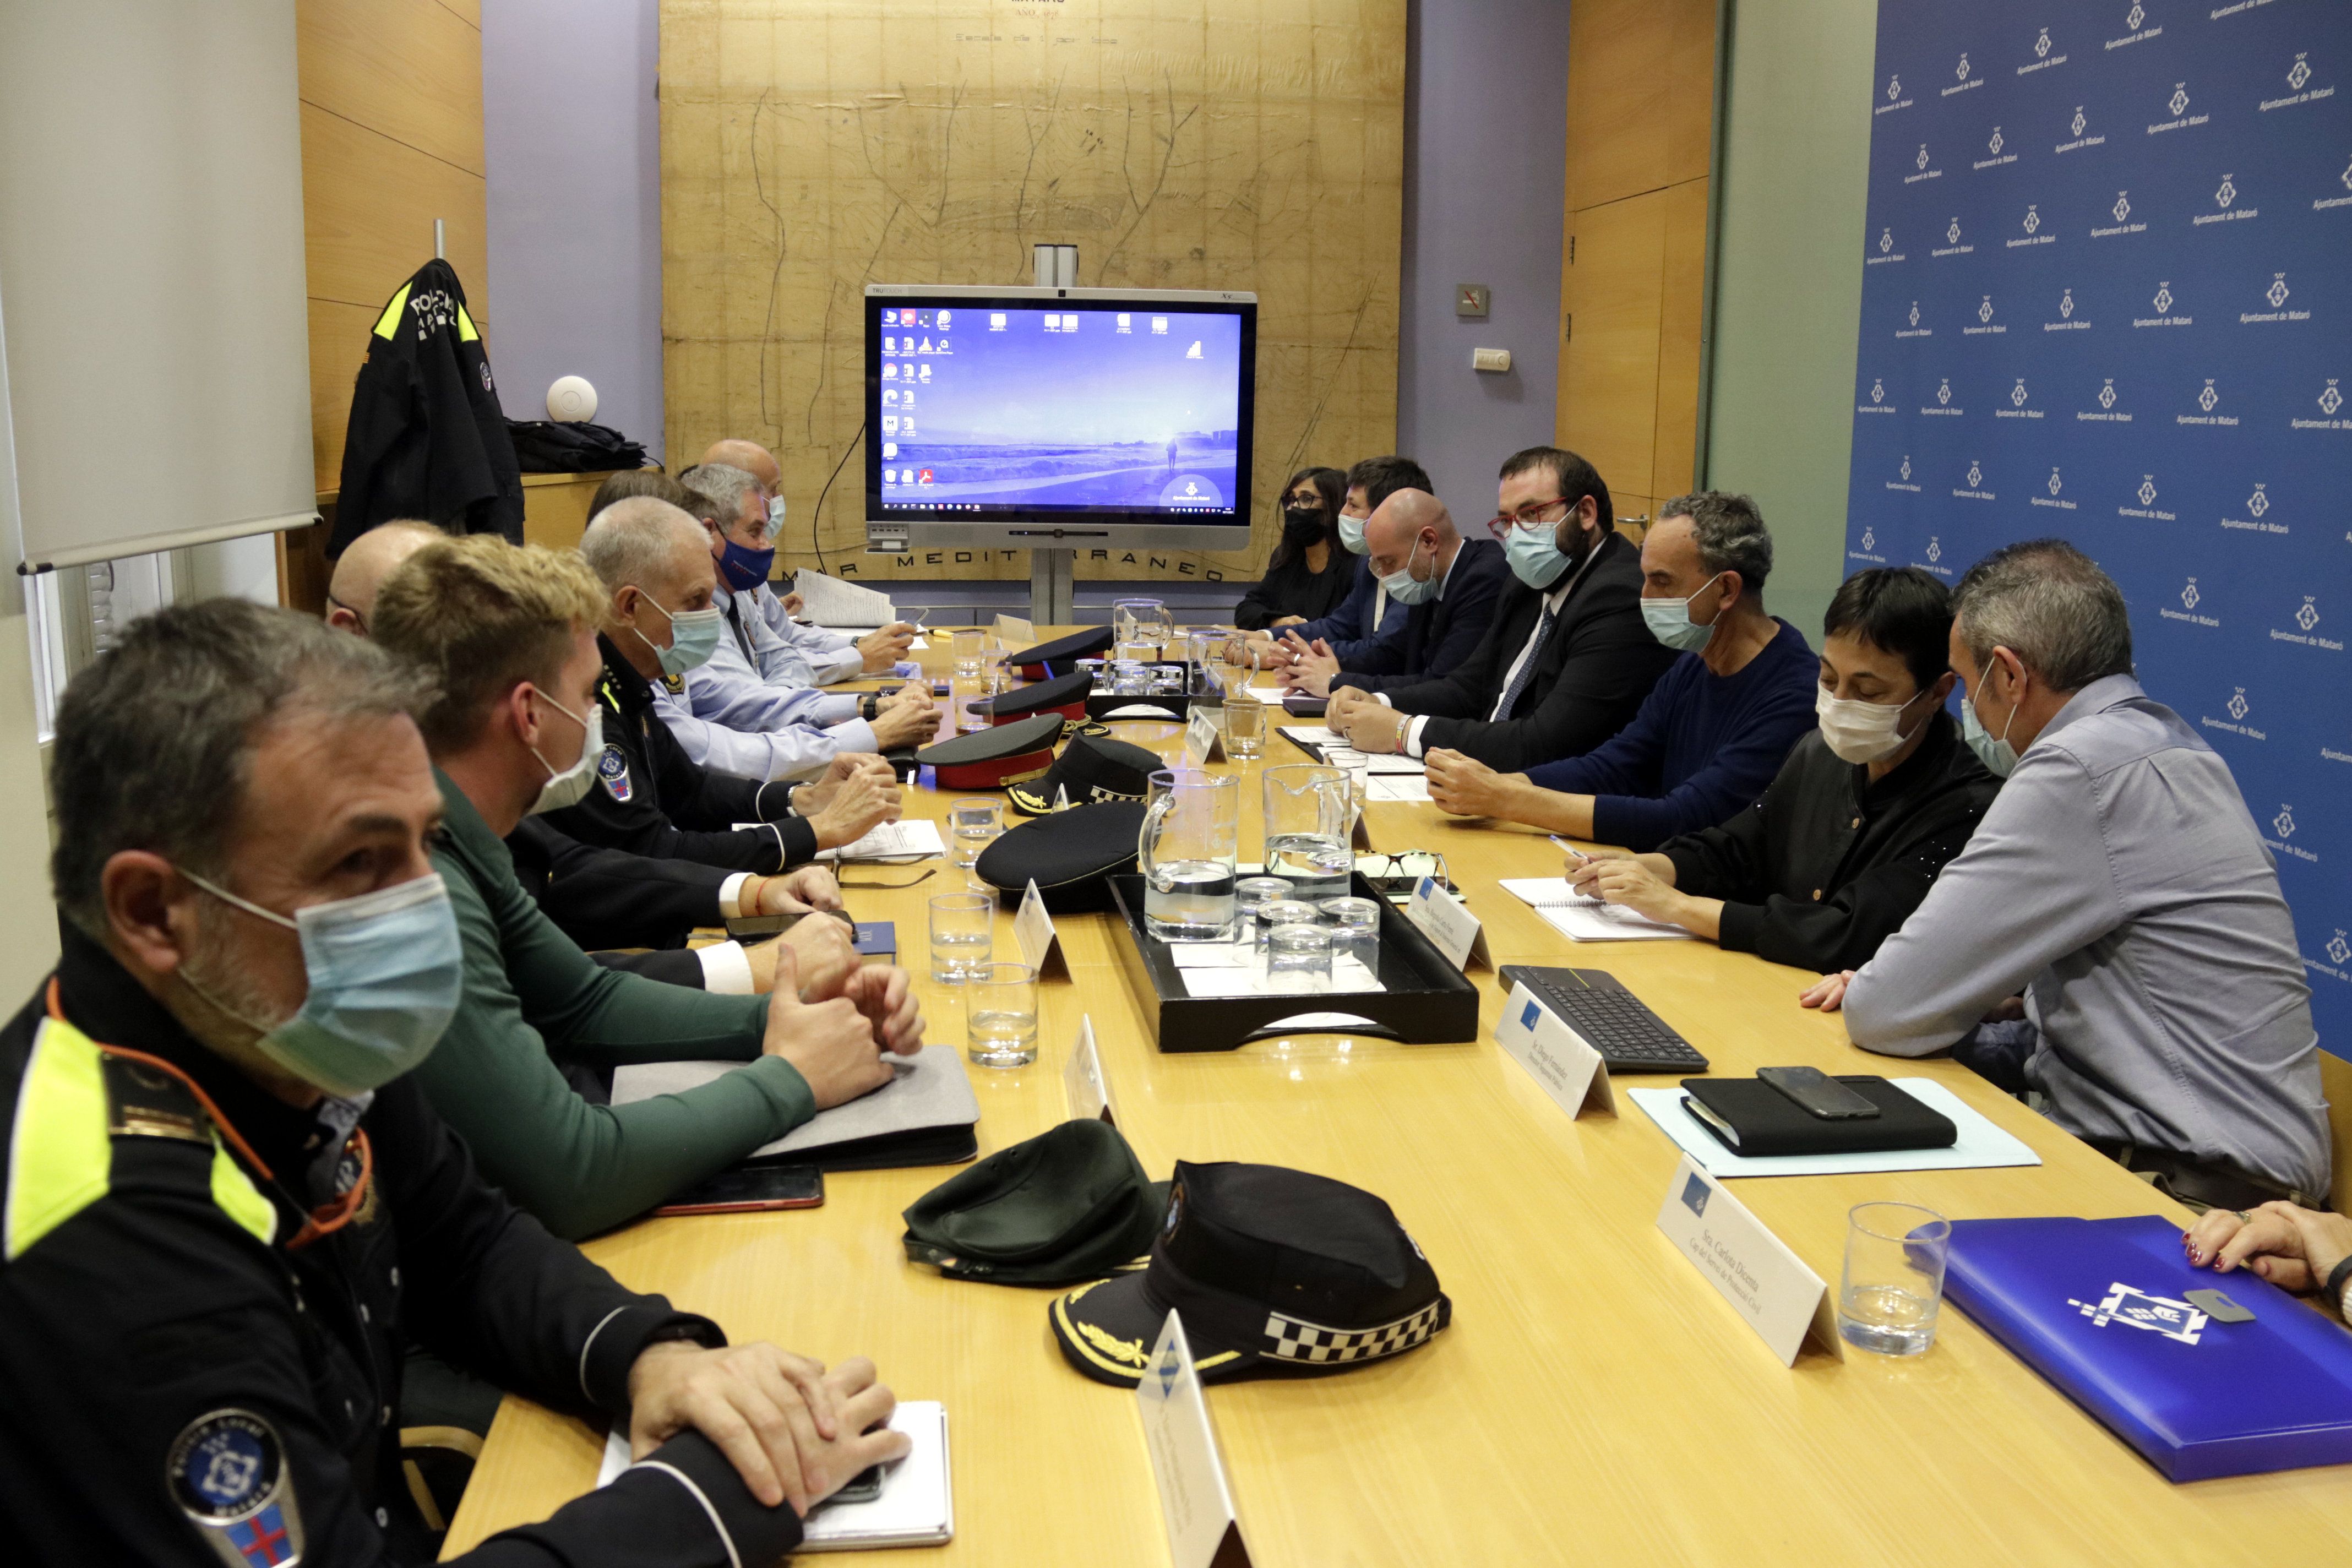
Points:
(1567, 657)
(1446, 583)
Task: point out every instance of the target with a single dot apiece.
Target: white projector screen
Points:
(152, 274)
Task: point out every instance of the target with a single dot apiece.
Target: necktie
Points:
(1527, 666)
(741, 641)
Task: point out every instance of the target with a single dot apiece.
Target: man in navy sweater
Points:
(1712, 733)
(1445, 585)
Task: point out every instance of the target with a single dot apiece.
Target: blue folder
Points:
(2100, 1309)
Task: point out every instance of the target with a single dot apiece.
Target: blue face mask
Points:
(385, 971)
(1534, 559)
(1669, 621)
(693, 638)
(1405, 588)
(1352, 534)
(1994, 751)
(745, 569)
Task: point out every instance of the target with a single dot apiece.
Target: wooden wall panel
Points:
(1640, 96)
(1682, 289)
(1609, 366)
(391, 139)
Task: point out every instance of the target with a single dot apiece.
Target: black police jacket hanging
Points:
(427, 438)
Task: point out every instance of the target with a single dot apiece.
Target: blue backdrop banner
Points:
(2107, 296)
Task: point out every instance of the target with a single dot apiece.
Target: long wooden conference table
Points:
(1594, 1401)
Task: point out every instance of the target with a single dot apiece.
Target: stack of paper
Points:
(830, 602)
(1583, 919)
(915, 839)
(1235, 969)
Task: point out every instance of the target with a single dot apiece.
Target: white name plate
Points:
(1085, 1082)
(1013, 629)
(1446, 921)
(1555, 1056)
(1202, 740)
(1040, 945)
(1195, 1501)
(1769, 1286)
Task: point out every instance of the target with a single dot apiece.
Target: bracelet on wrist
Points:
(2336, 1277)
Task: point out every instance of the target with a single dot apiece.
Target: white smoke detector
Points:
(571, 399)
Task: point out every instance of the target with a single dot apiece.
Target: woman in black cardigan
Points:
(1309, 572)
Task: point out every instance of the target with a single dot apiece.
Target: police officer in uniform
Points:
(226, 1215)
(649, 796)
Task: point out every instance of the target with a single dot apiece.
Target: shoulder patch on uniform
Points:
(674, 684)
(226, 1470)
(612, 767)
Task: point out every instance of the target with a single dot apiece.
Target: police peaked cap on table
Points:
(1277, 1273)
(1092, 768)
(1071, 855)
(985, 759)
(1065, 694)
(1069, 1205)
(1061, 656)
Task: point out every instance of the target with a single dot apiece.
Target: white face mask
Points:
(1858, 731)
(775, 515)
(569, 786)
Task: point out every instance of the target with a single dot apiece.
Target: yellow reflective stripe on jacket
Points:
(385, 323)
(58, 1152)
(466, 333)
(61, 1155)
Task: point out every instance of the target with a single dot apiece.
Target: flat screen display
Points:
(1038, 409)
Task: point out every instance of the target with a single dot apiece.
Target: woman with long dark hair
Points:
(1309, 572)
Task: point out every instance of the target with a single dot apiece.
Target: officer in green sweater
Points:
(509, 633)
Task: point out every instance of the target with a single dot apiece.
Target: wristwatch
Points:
(2334, 1288)
(869, 708)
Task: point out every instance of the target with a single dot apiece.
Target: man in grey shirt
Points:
(2119, 883)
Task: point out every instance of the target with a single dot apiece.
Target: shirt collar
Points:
(98, 996)
(632, 691)
(2107, 691)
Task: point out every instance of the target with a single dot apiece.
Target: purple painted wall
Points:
(1485, 125)
(571, 133)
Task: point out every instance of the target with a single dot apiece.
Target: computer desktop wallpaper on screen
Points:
(1048, 409)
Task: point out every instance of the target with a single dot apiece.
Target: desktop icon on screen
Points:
(905, 476)
(889, 476)
(927, 372)
(889, 425)
(890, 345)
(1194, 352)
(1053, 321)
(1159, 325)
(923, 318)
(945, 317)
(927, 477)
(1070, 323)
(889, 449)
(926, 348)
(996, 320)
(889, 395)
(1124, 322)
(889, 372)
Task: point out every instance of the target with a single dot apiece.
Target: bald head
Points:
(1407, 522)
(365, 563)
(748, 456)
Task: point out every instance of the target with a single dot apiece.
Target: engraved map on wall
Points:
(810, 147)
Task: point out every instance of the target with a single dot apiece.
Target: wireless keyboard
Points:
(1613, 1020)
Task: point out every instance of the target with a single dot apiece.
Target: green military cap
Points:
(1069, 1205)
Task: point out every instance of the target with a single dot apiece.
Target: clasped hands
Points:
(795, 1430)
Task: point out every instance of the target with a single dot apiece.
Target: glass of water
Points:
(1282, 909)
(1355, 930)
(1299, 958)
(973, 824)
(1252, 894)
(963, 935)
(1244, 728)
(1001, 1012)
(1893, 1282)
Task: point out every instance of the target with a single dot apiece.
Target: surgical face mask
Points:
(1303, 524)
(1858, 731)
(744, 567)
(568, 786)
(1351, 533)
(1994, 751)
(693, 638)
(1669, 620)
(775, 516)
(1407, 589)
(1534, 559)
(385, 971)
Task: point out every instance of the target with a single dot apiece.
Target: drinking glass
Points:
(1307, 815)
(1252, 894)
(1191, 830)
(969, 692)
(1244, 728)
(963, 935)
(1001, 1014)
(970, 647)
(1355, 930)
(1130, 678)
(1893, 1282)
(1130, 618)
(1097, 678)
(1282, 910)
(973, 824)
(1299, 958)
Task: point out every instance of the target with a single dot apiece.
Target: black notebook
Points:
(1751, 1118)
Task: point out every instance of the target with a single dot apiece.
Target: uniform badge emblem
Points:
(612, 767)
(228, 1472)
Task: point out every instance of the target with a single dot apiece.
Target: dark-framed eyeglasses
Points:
(1528, 516)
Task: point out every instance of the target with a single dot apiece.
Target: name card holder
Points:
(1768, 1285)
(1203, 742)
(1446, 921)
(1041, 944)
(1012, 629)
(1195, 1501)
(1555, 1056)
(1085, 1082)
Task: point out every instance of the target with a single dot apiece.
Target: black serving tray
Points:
(1174, 706)
(1427, 1002)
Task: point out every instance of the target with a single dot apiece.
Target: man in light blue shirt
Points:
(2119, 884)
(752, 709)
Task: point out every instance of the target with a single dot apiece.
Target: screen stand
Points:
(1050, 593)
